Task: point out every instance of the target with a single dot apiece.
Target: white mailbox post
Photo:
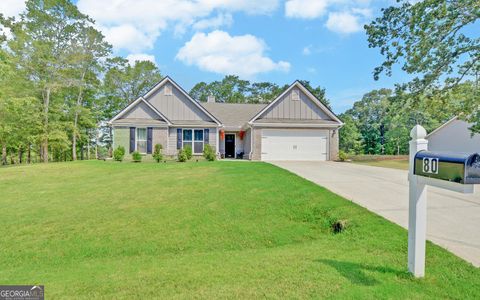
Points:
(435, 169)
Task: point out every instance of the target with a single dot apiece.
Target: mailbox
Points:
(455, 167)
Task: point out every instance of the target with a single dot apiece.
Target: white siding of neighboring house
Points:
(454, 137)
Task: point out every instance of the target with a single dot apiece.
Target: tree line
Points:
(60, 81)
(381, 121)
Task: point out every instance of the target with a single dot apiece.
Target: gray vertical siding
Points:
(176, 106)
(286, 108)
(141, 111)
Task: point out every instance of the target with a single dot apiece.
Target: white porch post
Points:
(417, 209)
(217, 143)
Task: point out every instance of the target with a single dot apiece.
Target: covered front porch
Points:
(232, 144)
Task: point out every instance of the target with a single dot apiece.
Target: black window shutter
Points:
(149, 140)
(132, 139)
(179, 138)
(206, 136)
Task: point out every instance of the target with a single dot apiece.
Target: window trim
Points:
(136, 139)
(193, 139)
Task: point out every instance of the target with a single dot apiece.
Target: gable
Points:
(454, 136)
(176, 104)
(141, 111)
(295, 104)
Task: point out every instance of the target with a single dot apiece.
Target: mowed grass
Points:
(401, 164)
(204, 230)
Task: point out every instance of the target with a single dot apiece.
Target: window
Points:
(187, 138)
(198, 141)
(295, 95)
(142, 140)
(193, 138)
(168, 90)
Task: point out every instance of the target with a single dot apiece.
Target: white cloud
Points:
(307, 50)
(132, 58)
(344, 16)
(343, 22)
(11, 8)
(145, 20)
(219, 21)
(305, 9)
(224, 54)
(129, 37)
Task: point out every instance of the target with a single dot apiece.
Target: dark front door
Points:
(230, 145)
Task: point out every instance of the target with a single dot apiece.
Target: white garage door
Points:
(297, 144)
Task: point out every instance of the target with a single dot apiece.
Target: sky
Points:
(322, 41)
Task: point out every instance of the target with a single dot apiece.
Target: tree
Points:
(428, 38)
(318, 92)
(350, 137)
(263, 92)
(201, 91)
(40, 45)
(124, 83)
(89, 48)
(433, 40)
(370, 115)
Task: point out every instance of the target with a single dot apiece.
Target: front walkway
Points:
(453, 220)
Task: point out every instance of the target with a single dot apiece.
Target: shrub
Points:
(119, 153)
(342, 156)
(209, 153)
(188, 152)
(136, 156)
(182, 156)
(157, 153)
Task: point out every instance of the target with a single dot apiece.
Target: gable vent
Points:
(168, 90)
(295, 94)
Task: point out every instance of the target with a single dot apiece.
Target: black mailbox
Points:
(455, 167)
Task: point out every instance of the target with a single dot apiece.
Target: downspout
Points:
(251, 141)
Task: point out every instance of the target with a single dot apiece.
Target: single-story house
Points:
(294, 126)
(454, 136)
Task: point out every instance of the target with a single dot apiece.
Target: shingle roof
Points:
(233, 115)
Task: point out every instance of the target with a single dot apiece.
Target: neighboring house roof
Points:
(441, 127)
(233, 115)
(312, 97)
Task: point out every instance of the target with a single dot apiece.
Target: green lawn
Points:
(204, 230)
(401, 164)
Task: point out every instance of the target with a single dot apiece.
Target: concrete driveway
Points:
(453, 220)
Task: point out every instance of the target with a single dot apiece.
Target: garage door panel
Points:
(284, 144)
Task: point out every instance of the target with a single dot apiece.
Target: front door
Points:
(230, 145)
